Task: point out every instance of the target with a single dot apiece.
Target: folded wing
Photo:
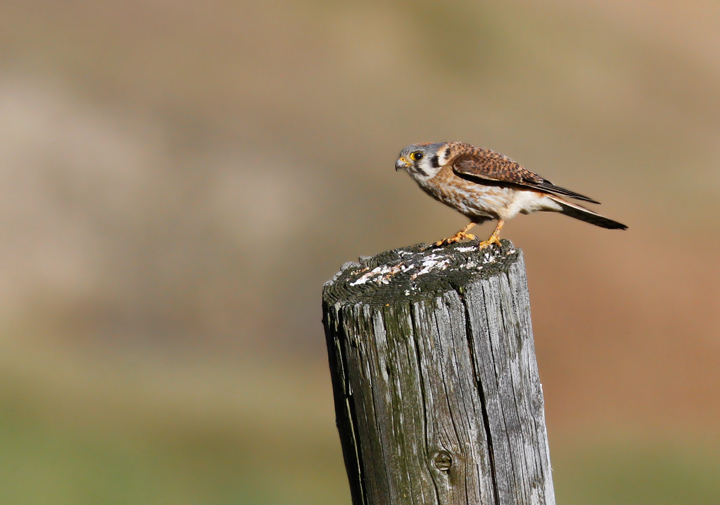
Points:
(487, 165)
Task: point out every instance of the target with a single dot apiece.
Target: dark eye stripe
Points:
(435, 161)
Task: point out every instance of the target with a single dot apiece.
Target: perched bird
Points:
(483, 185)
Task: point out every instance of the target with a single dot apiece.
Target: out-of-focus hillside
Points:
(178, 180)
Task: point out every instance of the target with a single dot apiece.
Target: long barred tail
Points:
(583, 214)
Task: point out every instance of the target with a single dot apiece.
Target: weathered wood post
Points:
(437, 394)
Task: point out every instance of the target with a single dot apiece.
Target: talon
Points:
(487, 243)
(494, 238)
(456, 238)
(461, 235)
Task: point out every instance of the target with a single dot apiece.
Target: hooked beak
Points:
(401, 164)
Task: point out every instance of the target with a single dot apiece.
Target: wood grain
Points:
(436, 387)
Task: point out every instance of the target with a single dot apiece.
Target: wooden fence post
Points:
(437, 394)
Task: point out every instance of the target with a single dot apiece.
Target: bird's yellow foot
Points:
(461, 235)
(456, 238)
(494, 239)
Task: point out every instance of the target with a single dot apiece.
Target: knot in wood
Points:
(443, 461)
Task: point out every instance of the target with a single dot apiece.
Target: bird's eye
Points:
(416, 156)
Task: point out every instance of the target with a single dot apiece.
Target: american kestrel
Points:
(482, 185)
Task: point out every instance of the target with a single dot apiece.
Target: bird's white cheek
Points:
(420, 177)
(443, 157)
(429, 170)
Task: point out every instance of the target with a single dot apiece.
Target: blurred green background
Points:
(178, 179)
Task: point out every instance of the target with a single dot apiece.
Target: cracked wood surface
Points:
(437, 394)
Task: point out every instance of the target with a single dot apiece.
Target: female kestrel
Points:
(482, 185)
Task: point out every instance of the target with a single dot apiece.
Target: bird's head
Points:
(423, 161)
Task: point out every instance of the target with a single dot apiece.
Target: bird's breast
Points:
(469, 198)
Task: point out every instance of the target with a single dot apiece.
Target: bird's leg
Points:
(494, 238)
(461, 235)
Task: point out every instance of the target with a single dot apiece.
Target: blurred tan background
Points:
(178, 179)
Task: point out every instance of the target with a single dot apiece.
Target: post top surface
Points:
(414, 271)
